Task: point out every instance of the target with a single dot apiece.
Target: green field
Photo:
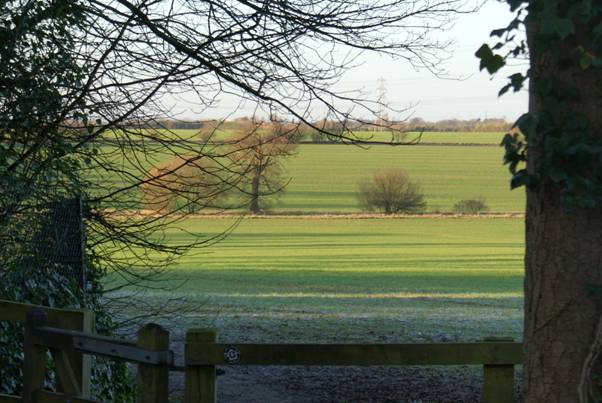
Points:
(425, 137)
(353, 279)
(489, 138)
(308, 278)
(325, 177)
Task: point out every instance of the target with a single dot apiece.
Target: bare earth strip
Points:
(322, 216)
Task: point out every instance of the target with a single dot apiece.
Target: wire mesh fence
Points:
(61, 238)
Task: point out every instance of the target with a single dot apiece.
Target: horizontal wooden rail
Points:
(16, 312)
(101, 346)
(489, 353)
(203, 354)
(10, 399)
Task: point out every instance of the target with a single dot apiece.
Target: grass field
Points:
(297, 279)
(490, 138)
(325, 177)
(342, 279)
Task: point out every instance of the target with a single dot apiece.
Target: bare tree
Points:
(391, 191)
(259, 152)
(184, 183)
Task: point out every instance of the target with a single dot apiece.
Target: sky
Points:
(475, 96)
(468, 94)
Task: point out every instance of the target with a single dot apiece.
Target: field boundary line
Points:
(325, 216)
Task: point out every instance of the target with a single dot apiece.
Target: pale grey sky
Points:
(475, 96)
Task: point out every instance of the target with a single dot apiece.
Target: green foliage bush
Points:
(471, 206)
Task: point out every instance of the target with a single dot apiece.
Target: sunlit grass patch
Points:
(341, 279)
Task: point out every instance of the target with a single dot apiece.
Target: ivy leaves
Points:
(489, 60)
(493, 62)
(515, 147)
(517, 80)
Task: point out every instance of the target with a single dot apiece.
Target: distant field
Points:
(490, 138)
(325, 177)
(438, 137)
(186, 134)
(327, 279)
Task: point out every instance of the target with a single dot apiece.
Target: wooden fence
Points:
(497, 356)
(69, 337)
(69, 319)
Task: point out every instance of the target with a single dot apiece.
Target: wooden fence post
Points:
(201, 381)
(153, 380)
(83, 361)
(498, 380)
(34, 363)
(80, 363)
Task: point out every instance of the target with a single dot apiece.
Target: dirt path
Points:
(349, 384)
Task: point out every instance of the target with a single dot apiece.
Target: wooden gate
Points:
(53, 329)
(497, 357)
(69, 336)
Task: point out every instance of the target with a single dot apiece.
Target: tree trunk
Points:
(563, 257)
(254, 205)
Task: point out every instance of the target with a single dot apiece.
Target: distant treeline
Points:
(454, 125)
(411, 125)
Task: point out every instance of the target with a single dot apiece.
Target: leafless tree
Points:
(391, 191)
(259, 151)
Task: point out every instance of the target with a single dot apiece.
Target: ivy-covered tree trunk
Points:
(563, 242)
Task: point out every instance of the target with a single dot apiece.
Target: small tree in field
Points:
(391, 191)
(187, 184)
(258, 154)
